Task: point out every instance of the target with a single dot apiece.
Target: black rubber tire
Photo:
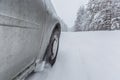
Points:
(49, 53)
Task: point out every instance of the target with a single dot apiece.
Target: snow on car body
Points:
(26, 27)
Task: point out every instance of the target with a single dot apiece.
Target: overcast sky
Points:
(67, 9)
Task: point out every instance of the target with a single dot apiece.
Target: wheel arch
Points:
(46, 39)
(57, 26)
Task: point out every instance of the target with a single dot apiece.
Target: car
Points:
(29, 36)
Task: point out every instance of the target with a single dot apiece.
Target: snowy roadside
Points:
(85, 56)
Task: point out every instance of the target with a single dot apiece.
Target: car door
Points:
(21, 28)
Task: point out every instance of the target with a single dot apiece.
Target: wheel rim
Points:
(55, 47)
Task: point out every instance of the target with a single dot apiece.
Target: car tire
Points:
(52, 49)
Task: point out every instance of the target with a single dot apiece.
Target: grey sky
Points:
(67, 9)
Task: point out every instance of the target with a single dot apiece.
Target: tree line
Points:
(98, 15)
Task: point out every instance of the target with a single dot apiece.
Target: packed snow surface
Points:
(85, 56)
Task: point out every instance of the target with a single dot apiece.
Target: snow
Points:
(85, 56)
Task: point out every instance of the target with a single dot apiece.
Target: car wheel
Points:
(52, 49)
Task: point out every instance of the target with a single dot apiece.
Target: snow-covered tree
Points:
(79, 20)
(99, 15)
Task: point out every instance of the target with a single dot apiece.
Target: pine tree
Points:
(99, 15)
(80, 17)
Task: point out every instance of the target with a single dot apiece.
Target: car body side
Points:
(25, 30)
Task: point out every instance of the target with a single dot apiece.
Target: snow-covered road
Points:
(85, 56)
